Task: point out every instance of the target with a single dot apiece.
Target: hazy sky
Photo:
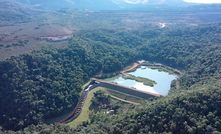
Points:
(204, 1)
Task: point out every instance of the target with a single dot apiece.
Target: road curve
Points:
(79, 106)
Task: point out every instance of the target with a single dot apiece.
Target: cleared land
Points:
(33, 44)
(57, 23)
(135, 65)
(33, 32)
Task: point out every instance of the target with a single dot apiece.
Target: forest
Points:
(47, 82)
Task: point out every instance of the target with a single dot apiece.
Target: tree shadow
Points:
(92, 107)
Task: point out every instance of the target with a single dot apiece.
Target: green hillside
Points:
(46, 82)
(12, 13)
(59, 74)
(195, 111)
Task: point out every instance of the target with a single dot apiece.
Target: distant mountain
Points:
(12, 13)
(7, 5)
(99, 4)
(80, 4)
(206, 7)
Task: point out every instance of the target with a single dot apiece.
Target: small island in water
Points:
(145, 81)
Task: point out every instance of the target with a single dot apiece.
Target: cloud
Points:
(117, 1)
(70, 1)
(161, 1)
(129, 1)
(136, 1)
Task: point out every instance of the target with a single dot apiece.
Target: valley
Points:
(47, 54)
(68, 21)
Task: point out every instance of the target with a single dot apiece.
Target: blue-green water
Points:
(163, 80)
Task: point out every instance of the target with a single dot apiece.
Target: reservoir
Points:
(163, 80)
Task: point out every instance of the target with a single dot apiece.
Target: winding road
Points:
(79, 106)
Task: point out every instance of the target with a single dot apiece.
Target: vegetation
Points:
(19, 43)
(189, 112)
(38, 86)
(47, 82)
(165, 69)
(145, 81)
(12, 13)
(100, 98)
(103, 76)
(84, 115)
(60, 73)
(89, 108)
(120, 95)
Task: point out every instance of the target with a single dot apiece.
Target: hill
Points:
(12, 13)
(59, 74)
(57, 4)
(194, 108)
(46, 82)
(96, 5)
(185, 113)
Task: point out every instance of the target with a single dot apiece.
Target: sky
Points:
(146, 1)
(204, 1)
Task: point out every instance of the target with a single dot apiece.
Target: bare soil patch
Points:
(177, 85)
(131, 68)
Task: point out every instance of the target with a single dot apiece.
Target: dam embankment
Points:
(127, 90)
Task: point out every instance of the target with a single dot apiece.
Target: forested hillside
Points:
(195, 111)
(47, 82)
(12, 13)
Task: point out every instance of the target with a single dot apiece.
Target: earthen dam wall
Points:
(127, 90)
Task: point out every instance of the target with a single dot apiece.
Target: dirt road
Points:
(131, 68)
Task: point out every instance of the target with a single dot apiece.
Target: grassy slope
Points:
(84, 115)
(124, 100)
(121, 96)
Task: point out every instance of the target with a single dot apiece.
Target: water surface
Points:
(163, 80)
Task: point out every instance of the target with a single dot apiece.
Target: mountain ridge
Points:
(99, 4)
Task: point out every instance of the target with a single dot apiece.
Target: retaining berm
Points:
(127, 90)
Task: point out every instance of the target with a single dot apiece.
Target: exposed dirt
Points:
(177, 85)
(131, 68)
